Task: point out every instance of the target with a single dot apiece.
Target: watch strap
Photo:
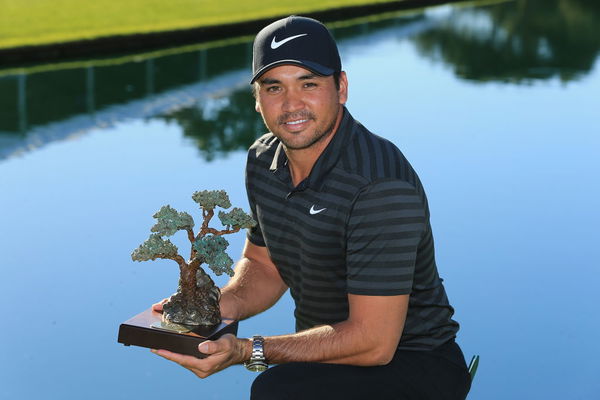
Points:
(257, 361)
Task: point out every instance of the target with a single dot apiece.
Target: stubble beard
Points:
(316, 136)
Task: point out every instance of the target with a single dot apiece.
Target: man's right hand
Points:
(158, 307)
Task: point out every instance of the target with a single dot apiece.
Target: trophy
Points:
(191, 315)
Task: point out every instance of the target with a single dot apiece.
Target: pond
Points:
(495, 103)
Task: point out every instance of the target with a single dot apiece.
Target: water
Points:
(495, 104)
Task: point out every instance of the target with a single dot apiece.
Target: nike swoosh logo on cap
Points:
(275, 44)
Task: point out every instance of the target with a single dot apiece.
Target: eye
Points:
(310, 85)
(273, 89)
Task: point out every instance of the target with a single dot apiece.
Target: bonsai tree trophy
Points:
(192, 314)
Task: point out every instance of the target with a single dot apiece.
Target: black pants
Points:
(438, 374)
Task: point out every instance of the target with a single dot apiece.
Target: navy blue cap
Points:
(298, 41)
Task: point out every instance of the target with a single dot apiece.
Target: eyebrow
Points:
(271, 81)
(307, 76)
(268, 81)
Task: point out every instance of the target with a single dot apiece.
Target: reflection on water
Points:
(530, 39)
(510, 169)
(40, 98)
(205, 91)
(219, 125)
(41, 107)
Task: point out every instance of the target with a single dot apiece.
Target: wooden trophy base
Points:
(147, 330)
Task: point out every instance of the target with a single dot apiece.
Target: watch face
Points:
(257, 366)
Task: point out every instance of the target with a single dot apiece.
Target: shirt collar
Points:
(326, 161)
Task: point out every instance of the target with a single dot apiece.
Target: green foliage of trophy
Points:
(193, 311)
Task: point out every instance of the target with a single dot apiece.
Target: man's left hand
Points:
(221, 353)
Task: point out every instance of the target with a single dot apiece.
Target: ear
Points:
(257, 106)
(343, 90)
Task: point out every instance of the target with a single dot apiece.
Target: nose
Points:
(293, 101)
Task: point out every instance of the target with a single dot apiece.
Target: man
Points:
(343, 222)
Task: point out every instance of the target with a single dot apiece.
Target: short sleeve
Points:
(254, 235)
(384, 229)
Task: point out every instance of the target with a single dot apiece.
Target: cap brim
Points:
(312, 66)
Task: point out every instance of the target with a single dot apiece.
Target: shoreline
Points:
(123, 44)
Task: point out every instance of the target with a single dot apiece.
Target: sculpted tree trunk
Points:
(196, 301)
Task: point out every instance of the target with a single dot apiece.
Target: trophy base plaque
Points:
(147, 329)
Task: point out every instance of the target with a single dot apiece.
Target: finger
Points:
(200, 373)
(188, 362)
(184, 361)
(223, 344)
(159, 306)
(181, 359)
(208, 347)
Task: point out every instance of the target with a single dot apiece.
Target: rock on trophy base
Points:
(147, 329)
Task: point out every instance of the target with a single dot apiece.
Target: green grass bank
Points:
(45, 22)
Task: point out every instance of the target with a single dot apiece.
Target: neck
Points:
(302, 161)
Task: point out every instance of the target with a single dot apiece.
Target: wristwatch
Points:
(257, 361)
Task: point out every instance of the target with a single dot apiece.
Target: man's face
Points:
(298, 106)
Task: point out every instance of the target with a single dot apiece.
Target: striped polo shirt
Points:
(359, 223)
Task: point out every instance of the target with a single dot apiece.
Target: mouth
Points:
(296, 122)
